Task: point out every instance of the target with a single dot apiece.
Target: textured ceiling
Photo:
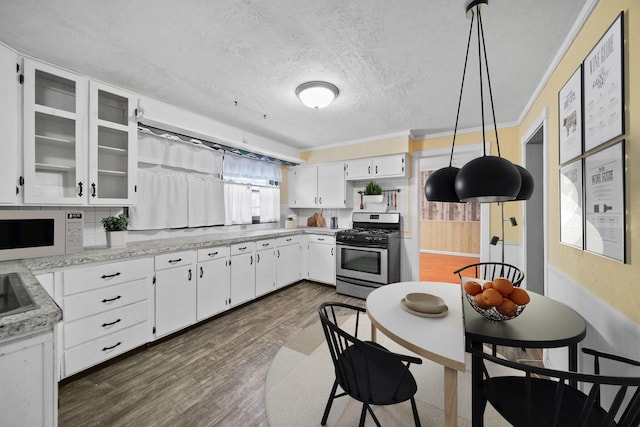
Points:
(398, 64)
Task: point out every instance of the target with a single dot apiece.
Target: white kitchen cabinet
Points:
(175, 292)
(265, 266)
(243, 272)
(107, 311)
(113, 137)
(55, 140)
(80, 139)
(321, 186)
(289, 260)
(391, 166)
(28, 388)
(321, 259)
(9, 123)
(214, 281)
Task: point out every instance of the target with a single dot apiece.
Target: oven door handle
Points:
(362, 245)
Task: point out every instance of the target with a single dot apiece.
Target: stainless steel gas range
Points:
(368, 255)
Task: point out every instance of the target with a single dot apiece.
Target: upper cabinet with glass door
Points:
(112, 145)
(54, 135)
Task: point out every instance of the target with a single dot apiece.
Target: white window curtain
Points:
(269, 204)
(162, 200)
(237, 203)
(235, 166)
(168, 150)
(206, 201)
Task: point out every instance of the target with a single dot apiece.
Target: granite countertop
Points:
(48, 313)
(44, 316)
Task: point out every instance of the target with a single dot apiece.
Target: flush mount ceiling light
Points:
(317, 94)
(487, 178)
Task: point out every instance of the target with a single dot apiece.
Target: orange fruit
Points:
(507, 307)
(480, 302)
(491, 297)
(502, 285)
(487, 285)
(519, 296)
(472, 287)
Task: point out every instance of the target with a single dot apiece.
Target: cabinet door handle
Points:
(315, 200)
(257, 257)
(112, 347)
(190, 274)
(331, 251)
(173, 261)
(201, 272)
(109, 276)
(104, 325)
(212, 254)
(376, 168)
(278, 253)
(93, 189)
(80, 187)
(106, 300)
(320, 200)
(251, 261)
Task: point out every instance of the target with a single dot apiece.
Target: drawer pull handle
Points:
(106, 300)
(109, 276)
(173, 261)
(212, 253)
(289, 239)
(112, 347)
(244, 248)
(320, 239)
(104, 325)
(264, 245)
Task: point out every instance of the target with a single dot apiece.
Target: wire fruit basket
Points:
(492, 313)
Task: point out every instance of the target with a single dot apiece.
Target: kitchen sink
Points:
(14, 297)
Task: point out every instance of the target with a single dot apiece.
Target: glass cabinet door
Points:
(54, 141)
(112, 145)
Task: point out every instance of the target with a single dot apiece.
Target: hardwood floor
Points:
(212, 374)
(440, 268)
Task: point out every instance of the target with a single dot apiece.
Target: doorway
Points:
(450, 233)
(533, 210)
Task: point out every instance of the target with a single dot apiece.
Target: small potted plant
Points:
(373, 193)
(116, 228)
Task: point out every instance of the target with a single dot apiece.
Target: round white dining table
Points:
(439, 339)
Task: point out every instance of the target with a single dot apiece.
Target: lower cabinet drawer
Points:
(101, 349)
(102, 324)
(105, 299)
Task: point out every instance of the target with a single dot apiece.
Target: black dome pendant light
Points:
(487, 178)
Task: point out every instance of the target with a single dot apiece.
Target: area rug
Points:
(301, 375)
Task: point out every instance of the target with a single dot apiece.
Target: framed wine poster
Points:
(570, 117)
(604, 186)
(571, 213)
(603, 73)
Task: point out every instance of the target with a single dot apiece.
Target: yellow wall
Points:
(612, 281)
(383, 147)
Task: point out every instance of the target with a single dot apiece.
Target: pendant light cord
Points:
(486, 62)
(464, 72)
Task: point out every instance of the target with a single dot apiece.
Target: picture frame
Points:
(570, 118)
(603, 88)
(571, 209)
(604, 185)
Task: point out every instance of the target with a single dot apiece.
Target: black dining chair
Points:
(365, 370)
(491, 270)
(545, 397)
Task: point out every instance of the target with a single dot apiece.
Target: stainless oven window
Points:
(361, 260)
